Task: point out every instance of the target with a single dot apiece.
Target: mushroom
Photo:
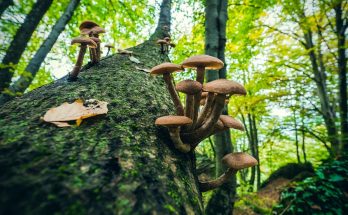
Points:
(95, 31)
(220, 88)
(95, 58)
(109, 46)
(226, 122)
(84, 41)
(166, 69)
(234, 162)
(190, 88)
(86, 26)
(163, 44)
(201, 63)
(173, 124)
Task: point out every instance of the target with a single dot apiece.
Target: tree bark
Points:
(33, 67)
(20, 41)
(342, 73)
(327, 110)
(222, 200)
(4, 4)
(118, 163)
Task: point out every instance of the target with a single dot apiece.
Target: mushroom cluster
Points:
(165, 43)
(194, 122)
(201, 116)
(89, 37)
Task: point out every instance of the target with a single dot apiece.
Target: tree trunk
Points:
(252, 150)
(20, 41)
(342, 73)
(327, 110)
(4, 4)
(119, 163)
(257, 157)
(222, 200)
(33, 67)
(296, 138)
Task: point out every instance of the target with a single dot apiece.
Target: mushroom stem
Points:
(195, 137)
(206, 109)
(94, 55)
(174, 132)
(175, 97)
(74, 73)
(210, 185)
(107, 54)
(197, 99)
(189, 106)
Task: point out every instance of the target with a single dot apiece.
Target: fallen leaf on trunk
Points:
(142, 69)
(122, 51)
(134, 59)
(77, 110)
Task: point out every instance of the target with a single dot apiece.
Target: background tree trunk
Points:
(341, 26)
(4, 4)
(33, 67)
(222, 200)
(118, 163)
(20, 41)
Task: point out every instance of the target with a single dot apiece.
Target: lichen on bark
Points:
(118, 163)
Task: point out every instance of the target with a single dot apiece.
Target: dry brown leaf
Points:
(77, 110)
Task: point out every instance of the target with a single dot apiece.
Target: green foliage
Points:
(255, 203)
(323, 194)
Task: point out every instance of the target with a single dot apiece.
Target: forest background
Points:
(289, 54)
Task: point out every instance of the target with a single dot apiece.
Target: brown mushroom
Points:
(84, 42)
(173, 124)
(227, 123)
(163, 44)
(95, 58)
(234, 162)
(219, 89)
(109, 47)
(201, 63)
(190, 88)
(86, 26)
(219, 86)
(166, 69)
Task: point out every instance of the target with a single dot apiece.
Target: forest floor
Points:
(262, 201)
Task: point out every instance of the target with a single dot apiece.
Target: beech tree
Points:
(20, 40)
(19, 86)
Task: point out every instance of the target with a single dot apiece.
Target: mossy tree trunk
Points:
(118, 163)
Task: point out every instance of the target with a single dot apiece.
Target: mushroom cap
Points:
(166, 39)
(173, 120)
(109, 46)
(223, 86)
(189, 87)
(165, 68)
(97, 30)
(220, 125)
(230, 122)
(96, 40)
(162, 42)
(206, 61)
(239, 160)
(87, 24)
(84, 41)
